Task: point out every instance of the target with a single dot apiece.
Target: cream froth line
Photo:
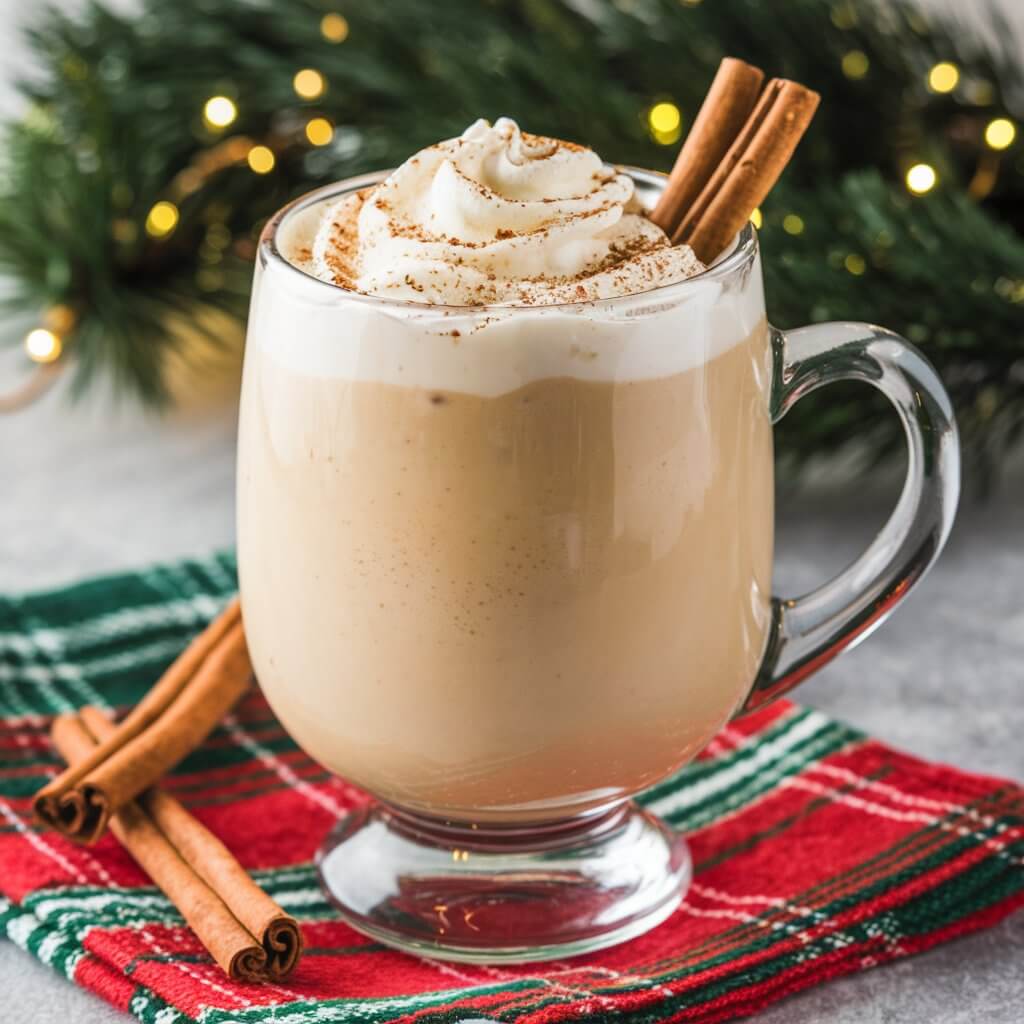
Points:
(495, 351)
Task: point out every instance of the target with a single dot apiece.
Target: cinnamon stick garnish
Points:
(739, 145)
(246, 932)
(749, 169)
(167, 724)
(723, 113)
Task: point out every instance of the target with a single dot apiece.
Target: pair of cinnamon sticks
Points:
(246, 932)
(110, 780)
(174, 717)
(740, 143)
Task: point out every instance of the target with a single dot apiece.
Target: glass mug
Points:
(504, 568)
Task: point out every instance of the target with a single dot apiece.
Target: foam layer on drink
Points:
(493, 350)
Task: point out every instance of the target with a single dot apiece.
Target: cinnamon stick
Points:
(168, 723)
(723, 113)
(749, 169)
(277, 931)
(231, 945)
(173, 849)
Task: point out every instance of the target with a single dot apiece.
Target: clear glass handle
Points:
(809, 631)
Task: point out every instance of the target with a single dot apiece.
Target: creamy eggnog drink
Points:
(505, 530)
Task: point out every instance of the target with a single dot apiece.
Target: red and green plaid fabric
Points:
(818, 851)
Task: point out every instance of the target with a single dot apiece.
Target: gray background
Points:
(97, 487)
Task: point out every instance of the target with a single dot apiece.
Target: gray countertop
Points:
(96, 488)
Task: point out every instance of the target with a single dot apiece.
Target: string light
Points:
(162, 219)
(855, 264)
(43, 346)
(308, 84)
(219, 112)
(855, 64)
(943, 77)
(756, 219)
(334, 27)
(1000, 133)
(319, 131)
(793, 224)
(921, 178)
(261, 159)
(665, 121)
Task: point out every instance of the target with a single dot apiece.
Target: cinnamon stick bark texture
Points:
(750, 168)
(171, 721)
(277, 931)
(723, 113)
(216, 897)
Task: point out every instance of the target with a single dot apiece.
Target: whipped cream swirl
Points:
(497, 216)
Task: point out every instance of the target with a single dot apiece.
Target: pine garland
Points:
(115, 126)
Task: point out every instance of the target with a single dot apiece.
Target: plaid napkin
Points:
(818, 851)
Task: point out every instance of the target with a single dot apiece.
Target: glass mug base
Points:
(504, 894)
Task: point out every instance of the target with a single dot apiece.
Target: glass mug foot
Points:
(504, 893)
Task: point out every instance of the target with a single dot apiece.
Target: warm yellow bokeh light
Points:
(334, 28)
(665, 122)
(162, 219)
(664, 117)
(43, 346)
(756, 219)
(855, 264)
(308, 84)
(856, 64)
(943, 77)
(261, 159)
(219, 112)
(921, 178)
(319, 131)
(793, 224)
(1000, 133)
